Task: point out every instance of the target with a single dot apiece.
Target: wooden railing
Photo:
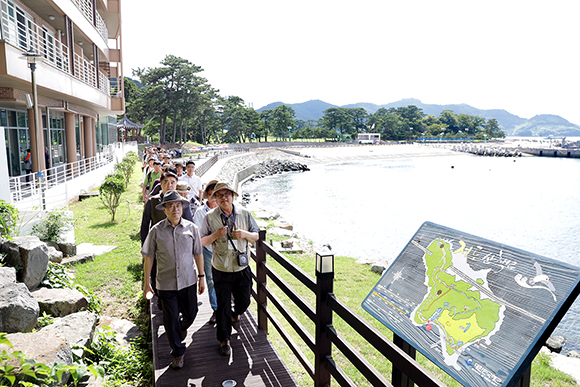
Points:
(406, 370)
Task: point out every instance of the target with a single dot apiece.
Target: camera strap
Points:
(228, 232)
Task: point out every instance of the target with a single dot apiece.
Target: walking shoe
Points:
(177, 362)
(236, 323)
(225, 348)
(212, 319)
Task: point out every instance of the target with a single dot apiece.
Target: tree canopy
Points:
(176, 104)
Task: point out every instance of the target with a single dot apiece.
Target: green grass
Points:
(116, 277)
(352, 283)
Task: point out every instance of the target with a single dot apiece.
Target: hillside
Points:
(512, 125)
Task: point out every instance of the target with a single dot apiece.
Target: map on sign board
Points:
(476, 308)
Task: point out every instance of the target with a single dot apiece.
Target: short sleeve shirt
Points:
(174, 249)
(194, 183)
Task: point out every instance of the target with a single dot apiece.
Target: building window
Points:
(17, 139)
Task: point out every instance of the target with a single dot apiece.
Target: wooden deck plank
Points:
(254, 362)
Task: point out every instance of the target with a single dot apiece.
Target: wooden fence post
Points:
(400, 379)
(262, 299)
(323, 345)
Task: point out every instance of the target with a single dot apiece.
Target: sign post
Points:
(478, 309)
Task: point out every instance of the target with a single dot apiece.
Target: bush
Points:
(8, 219)
(110, 192)
(125, 168)
(52, 228)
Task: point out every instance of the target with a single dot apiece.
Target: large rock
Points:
(60, 302)
(125, 329)
(7, 275)
(555, 343)
(281, 232)
(76, 328)
(18, 308)
(31, 255)
(46, 347)
(54, 255)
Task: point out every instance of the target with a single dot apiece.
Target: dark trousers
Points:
(174, 302)
(237, 284)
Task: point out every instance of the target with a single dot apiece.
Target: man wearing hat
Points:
(198, 217)
(193, 181)
(176, 246)
(179, 168)
(228, 229)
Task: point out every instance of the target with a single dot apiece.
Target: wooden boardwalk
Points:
(253, 361)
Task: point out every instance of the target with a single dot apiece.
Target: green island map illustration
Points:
(476, 308)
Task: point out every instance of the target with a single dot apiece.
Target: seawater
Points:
(371, 209)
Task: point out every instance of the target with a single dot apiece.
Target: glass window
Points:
(11, 118)
(3, 118)
(22, 119)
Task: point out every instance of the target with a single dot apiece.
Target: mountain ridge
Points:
(511, 124)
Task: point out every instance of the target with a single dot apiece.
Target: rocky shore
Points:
(274, 161)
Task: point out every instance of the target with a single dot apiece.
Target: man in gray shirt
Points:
(175, 244)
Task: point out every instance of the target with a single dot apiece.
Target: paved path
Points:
(253, 362)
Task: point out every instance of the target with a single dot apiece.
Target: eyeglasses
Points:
(224, 195)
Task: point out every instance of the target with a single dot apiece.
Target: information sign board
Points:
(478, 309)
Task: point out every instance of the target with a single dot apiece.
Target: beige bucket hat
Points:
(222, 185)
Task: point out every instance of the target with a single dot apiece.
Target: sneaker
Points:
(225, 348)
(212, 319)
(177, 362)
(236, 323)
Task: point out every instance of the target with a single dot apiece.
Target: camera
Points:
(243, 259)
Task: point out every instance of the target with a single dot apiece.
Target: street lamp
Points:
(32, 58)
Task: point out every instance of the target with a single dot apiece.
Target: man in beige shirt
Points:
(176, 246)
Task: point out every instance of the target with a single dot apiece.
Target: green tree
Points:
(283, 117)
(110, 192)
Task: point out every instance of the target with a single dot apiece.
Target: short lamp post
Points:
(324, 289)
(32, 58)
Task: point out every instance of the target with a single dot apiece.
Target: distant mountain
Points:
(545, 125)
(311, 110)
(135, 81)
(512, 125)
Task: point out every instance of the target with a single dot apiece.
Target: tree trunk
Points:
(162, 130)
(174, 131)
(181, 132)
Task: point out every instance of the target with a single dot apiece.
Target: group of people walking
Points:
(192, 235)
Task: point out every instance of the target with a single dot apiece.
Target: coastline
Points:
(232, 167)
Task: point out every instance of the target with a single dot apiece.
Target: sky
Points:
(520, 56)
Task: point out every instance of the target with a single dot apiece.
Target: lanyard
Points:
(225, 218)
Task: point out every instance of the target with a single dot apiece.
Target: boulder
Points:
(68, 249)
(574, 354)
(79, 258)
(287, 244)
(29, 253)
(48, 348)
(555, 343)
(7, 275)
(378, 268)
(76, 328)
(125, 329)
(19, 310)
(54, 255)
(60, 302)
(266, 214)
(284, 225)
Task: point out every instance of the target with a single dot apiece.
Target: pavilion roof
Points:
(128, 124)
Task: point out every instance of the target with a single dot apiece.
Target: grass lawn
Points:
(116, 277)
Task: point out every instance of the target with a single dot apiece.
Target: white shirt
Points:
(194, 182)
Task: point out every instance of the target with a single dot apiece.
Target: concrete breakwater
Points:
(484, 150)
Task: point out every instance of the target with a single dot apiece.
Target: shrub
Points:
(125, 168)
(121, 365)
(53, 227)
(8, 219)
(110, 192)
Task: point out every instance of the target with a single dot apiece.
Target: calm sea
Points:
(372, 209)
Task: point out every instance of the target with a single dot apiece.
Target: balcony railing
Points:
(86, 8)
(21, 31)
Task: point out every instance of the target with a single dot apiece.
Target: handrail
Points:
(327, 304)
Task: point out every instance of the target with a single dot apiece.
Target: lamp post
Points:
(32, 58)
